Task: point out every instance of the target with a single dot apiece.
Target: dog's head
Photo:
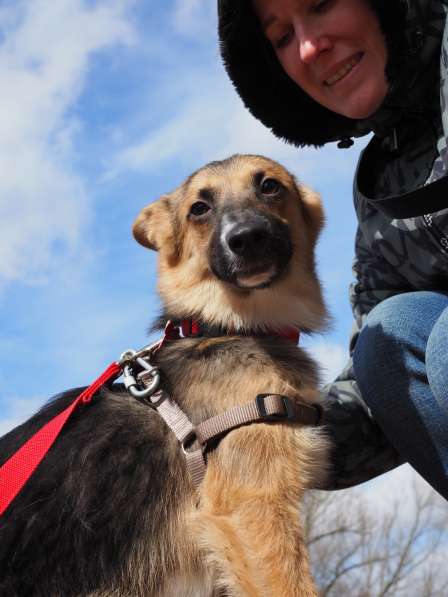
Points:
(236, 247)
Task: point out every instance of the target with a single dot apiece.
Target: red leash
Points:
(16, 471)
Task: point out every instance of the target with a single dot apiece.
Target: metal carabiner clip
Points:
(131, 384)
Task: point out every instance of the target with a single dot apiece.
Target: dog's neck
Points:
(193, 328)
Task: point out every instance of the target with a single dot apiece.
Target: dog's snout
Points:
(250, 249)
(244, 239)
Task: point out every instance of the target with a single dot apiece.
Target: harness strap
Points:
(183, 429)
(194, 439)
(266, 408)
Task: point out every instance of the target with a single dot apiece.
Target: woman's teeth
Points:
(343, 71)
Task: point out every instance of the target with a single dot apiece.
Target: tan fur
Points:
(241, 532)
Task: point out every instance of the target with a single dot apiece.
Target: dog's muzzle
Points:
(250, 249)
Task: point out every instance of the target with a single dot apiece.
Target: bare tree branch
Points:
(357, 551)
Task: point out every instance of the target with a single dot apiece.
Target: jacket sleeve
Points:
(360, 449)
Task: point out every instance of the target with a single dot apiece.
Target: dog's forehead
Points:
(236, 174)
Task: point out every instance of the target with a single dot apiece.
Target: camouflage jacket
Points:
(394, 255)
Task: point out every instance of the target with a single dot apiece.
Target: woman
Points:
(316, 71)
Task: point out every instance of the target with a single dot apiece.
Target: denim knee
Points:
(437, 360)
(392, 344)
(391, 370)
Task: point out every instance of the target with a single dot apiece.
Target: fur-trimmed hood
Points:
(274, 99)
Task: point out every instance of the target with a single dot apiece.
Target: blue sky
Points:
(105, 106)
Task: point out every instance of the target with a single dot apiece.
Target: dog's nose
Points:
(244, 239)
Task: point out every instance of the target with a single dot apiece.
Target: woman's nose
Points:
(308, 51)
(311, 45)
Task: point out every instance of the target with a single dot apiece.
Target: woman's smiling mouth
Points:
(345, 69)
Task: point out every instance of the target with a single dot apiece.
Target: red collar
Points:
(190, 328)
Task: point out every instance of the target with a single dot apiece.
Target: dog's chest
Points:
(211, 375)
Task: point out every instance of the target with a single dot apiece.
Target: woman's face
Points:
(333, 49)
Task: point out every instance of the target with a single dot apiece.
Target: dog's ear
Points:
(312, 210)
(153, 227)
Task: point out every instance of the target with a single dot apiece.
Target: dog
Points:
(112, 509)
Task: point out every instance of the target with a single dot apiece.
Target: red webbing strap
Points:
(16, 471)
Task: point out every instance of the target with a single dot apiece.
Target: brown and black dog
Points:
(112, 510)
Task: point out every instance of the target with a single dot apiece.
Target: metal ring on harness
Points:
(133, 385)
(150, 389)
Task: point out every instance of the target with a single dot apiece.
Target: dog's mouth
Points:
(256, 279)
(250, 250)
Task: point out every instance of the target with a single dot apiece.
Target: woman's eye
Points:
(270, 186)
(283, 41)
(320, 6)
(199, 208)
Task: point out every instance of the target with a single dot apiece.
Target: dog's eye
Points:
(270, 186)
(199, 208)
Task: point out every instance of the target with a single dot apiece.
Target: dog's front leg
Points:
(248, 521)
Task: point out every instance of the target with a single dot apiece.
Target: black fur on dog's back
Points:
(79, 522)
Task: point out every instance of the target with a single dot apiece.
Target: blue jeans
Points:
(401, 366)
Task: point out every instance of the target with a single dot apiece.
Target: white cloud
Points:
(331, 357)
(45, 49)
(201, 117)
(20, 410)
(398, 484)
(211, 123)
(195, 17)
